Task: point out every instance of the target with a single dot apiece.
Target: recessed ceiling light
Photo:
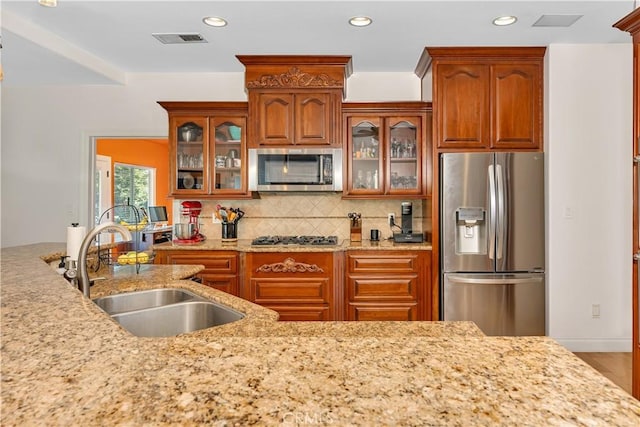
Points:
(214, 21)
(501, 21)
(360, 21)
(48, 3)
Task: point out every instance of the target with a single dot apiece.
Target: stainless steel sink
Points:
(175, 319)
(165, 312)
(130, 301)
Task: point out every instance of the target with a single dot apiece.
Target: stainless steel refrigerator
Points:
(493, 241)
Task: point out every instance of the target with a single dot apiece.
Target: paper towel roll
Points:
(75, 235)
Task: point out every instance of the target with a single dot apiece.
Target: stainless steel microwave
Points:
(295, 169)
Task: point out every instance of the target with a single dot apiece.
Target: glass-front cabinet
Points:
(386, 155)
(207, 144)
(228, 154)
(190, 154)
(365, 156)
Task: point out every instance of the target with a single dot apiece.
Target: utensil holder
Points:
(229, 232)
(356, 230)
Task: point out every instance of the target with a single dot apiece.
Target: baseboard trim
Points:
(596, 345)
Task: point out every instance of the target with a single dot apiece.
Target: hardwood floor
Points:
(615, 366)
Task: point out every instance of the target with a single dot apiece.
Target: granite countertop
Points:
(244, 245)
(65, 362)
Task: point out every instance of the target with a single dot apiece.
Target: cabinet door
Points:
(189, 154)
(386, 150)
(461, 108)
(228, 155)
(314, 124)
(404, 155)
(365, 170)
(275, 118)
(516, 91)
(228, 284)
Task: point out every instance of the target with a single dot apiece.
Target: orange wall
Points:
(153, 153)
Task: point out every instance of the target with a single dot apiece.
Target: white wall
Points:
(45, 155)
(589, 151)
(46, 139)
(384, 87)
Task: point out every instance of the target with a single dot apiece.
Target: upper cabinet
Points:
(295, 100)
(486, 98)
(302, 118)
(388, 149)
(207, 149)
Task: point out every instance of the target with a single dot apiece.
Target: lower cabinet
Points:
(220, 267)
(388, 285)
(298, 285)
(301, 286)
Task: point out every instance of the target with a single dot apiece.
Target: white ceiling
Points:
(100, 42)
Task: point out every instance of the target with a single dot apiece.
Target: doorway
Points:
(132, 155)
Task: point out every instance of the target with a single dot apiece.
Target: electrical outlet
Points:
(391, 217)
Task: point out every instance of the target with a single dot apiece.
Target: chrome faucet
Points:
(83, 275)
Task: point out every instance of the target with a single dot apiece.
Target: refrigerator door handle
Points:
(463, 280)
(492, 211)
(501, 218)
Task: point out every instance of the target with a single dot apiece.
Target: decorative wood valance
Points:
(294, 78)
(289, 265)
(295, 71)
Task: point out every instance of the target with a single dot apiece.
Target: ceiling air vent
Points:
(556, 20)
(176, 38)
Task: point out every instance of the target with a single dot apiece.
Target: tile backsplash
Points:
(308, 214)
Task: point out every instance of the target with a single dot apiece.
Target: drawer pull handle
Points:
(289, 265)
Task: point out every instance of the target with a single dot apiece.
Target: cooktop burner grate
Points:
(295, 240)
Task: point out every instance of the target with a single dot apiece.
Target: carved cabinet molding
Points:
(289, 265)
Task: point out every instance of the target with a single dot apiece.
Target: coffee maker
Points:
(406, 234)
(188, 231)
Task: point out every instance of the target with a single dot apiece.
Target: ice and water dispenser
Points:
(471, 231)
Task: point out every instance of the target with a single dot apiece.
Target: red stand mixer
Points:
(188, 231)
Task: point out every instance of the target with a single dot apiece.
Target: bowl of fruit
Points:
(134, 257)
(135, 226)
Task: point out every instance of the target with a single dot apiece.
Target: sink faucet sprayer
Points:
(83, 274)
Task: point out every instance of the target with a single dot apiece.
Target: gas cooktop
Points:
(295, 240)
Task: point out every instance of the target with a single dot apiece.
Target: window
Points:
(133, 185)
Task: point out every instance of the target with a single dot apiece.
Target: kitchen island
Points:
(64, 361)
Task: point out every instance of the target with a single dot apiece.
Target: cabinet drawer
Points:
(300, 313)
(312, 290)
(213, 262)
(398, 288)
(365, 263)
(385, 312)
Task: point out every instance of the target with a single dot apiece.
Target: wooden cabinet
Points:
(487, 98)
(295, 100)
(388, 285)
(207, 149)
(388, 149)
(300, 118)
(631, 23)
(298, 285)
(220, 267)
